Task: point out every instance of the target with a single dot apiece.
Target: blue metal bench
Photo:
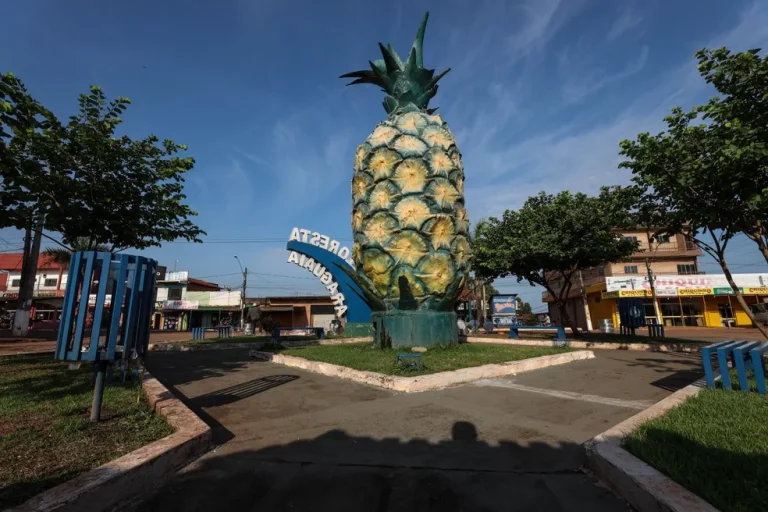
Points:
(513, 334)
(744, 356)
(317, 331)
(198, 333)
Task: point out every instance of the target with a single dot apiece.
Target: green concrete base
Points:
(358, 329)
(421, 328)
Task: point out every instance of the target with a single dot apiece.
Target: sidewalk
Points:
(292, 440)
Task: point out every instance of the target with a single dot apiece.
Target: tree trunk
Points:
(740, 299)
(565, 318)
(28, 273)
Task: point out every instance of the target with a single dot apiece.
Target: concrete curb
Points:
(645, 488)
(32, 353)
(425, 382)
(112, 485)
(181, 346)
(650, 347)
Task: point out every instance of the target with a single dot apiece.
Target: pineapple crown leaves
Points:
(409, 86)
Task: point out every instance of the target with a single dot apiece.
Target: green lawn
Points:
(715, 444)
(364, 356)
(246, 339)
(46, 437)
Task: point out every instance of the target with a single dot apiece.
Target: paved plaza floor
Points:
(293, 440)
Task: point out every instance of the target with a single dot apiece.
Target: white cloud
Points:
(502, 173)
(577, 86)
(626, 21)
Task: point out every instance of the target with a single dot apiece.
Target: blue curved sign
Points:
(347, 296)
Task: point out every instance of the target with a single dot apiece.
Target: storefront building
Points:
(298, 311)
(685, 296)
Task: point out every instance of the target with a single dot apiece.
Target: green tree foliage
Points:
(525, 314)
(86, 180)
(62, 255)
(739, 117)
(553, 236)
(30, 135)
(706, 176)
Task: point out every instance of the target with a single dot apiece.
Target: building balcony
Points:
(668, 250)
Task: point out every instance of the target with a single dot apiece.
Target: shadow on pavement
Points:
(179, 368)
(338, 472)
(239, 392)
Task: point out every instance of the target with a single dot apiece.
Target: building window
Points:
(174, 294)
(662, 239)
(601, 271)
(15, 283)
(686, 269)
(630, 238)
(726, 311)
(630, 269)
(50, 282)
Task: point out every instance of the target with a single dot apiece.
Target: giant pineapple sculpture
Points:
(410, 226)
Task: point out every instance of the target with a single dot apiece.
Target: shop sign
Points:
(326, 278)
(695, 292)
(609, 295)
(763, 290)
(634, 293)
(727, 291)
(181, 304)
(310, 237)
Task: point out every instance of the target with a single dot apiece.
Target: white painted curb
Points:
(136, 473)
(425, 382)
(645, 488)
(649, 347)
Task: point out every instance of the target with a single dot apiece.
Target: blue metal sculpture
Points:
(358, 311)
(129, 284)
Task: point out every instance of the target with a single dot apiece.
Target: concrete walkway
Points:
(292, 440)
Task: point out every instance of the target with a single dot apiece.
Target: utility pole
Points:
(651, 281)
(242, 299)
(28, 274)
(242, 293)
(584, 301)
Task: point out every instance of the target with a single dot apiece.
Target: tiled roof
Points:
(12, 261)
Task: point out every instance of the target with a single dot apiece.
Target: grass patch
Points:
(715, 444)
(246, 339)
(46, 437)
(366, 357)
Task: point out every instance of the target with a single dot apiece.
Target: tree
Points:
(553, 236)
(63, 254)
(29, 137)
(525, 313)
(127, 193)
(739, 117)
(689, 180)
(83, 180)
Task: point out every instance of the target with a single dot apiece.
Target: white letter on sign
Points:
(324, 242)
(294, 235)
(304, 235)
(334, 247)
(315, 240)
(343, 253)
(293, 257)
(327, 278)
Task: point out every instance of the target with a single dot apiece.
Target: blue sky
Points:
(540, 95)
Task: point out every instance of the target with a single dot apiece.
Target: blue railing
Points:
(198, 333)
(743, 356)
